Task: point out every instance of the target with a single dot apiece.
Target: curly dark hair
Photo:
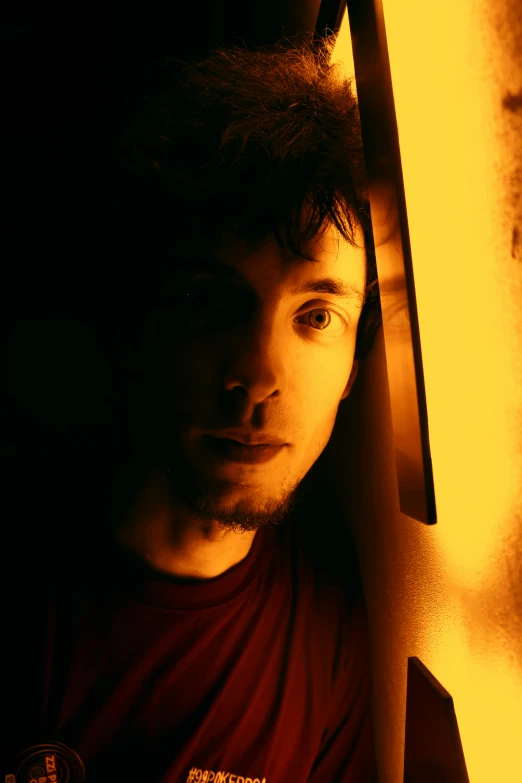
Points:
(244, 139)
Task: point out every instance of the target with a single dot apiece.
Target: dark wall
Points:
(67, 67)
(69, 72)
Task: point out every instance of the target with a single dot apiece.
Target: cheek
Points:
(327, 373)
(322, 410)
(190, 375)
(315, 396)
(320, 391)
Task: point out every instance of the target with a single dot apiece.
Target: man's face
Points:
(239, 346)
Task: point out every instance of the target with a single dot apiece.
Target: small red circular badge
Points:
(51, 762)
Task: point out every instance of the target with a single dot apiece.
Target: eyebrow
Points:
(321, 285)
(334, 286)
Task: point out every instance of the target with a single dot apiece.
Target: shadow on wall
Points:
(360, 461)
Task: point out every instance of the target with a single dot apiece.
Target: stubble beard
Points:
(203, 501)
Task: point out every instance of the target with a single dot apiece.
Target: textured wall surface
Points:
(451, 594)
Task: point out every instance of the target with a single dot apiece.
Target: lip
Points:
(248, 438)
(234, 451)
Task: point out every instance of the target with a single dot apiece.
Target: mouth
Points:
(234, 451)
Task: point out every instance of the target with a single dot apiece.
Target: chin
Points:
(239, 508)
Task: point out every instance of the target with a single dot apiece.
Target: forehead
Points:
(264, 262)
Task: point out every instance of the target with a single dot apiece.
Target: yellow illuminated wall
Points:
(451, 594)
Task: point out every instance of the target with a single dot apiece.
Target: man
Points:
(173, 623)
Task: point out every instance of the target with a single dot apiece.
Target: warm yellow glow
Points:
(468, 342)
(459, 158)
(342, 52)
(487, 694)
(470, 333)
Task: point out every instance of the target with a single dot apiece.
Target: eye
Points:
(201, 303)
(323, 319)
(320, 318)
(210, 304)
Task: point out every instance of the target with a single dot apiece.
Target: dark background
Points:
(70, 72)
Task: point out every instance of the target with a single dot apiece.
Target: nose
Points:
(258, 363)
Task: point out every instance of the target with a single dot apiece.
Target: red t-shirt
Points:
(259, 675)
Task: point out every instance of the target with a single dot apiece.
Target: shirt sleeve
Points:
(347, 752)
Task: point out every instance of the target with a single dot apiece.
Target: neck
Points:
(156, 529)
